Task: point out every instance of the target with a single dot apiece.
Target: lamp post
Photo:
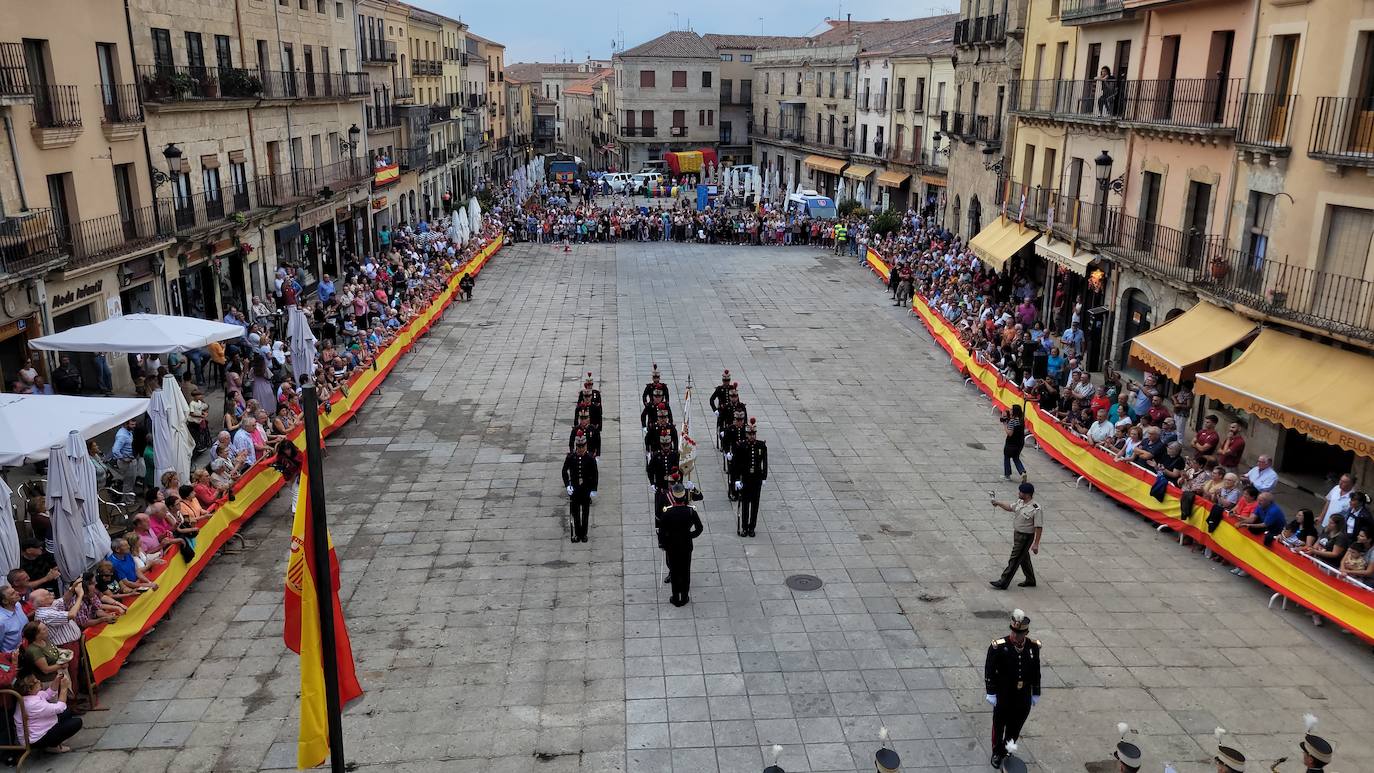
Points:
(173, 155)
(1105, 181)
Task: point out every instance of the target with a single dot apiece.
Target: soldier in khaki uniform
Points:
(1028, 523)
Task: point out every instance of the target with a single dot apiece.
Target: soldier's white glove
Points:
(717, 414)
(765, 480)
(729, 455)
(643, 431)
(690, 486)
(652, 487)
(992, 700)
(593, 495)
(570, 490)
(721, 434)
(739, 484)
(1035, 699)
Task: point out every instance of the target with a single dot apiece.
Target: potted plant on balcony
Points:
(238, 82)
(1219, 267)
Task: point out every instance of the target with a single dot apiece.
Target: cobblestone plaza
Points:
(487, 642)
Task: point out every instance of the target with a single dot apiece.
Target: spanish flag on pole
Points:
(302, 634)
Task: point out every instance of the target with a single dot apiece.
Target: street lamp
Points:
(350, 145)
(173, 155)
(992, 166)
(1105, 181)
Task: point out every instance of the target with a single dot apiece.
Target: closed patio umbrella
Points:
(302, 343)
(79, 538)
(9, 535)
(179, 411)
(171, 444)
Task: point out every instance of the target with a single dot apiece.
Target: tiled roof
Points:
(719, 41)
(878, 34)
(678, 44)
(529, 72)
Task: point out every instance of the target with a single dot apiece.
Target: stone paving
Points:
(487, 642)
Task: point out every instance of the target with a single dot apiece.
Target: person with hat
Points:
(748, 472)
(655, 382)
(587, 429)
(729, 438)
(663, 462)
(1028, 524)
(1011, 676)
(720, 397)
(1316, 751)
(677, 525)
(590, 399)
(652, 412)
(580, 477)
(1127, 754)
(1229, 759)
(664, 425)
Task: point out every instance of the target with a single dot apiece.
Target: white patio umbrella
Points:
(79, 538)
(172, 442)
(474, 216)
(839, 192)
(756, 184)
(9, 535)
(31, 424)
(301, 345)
(139, 334)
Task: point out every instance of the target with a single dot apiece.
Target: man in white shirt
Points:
(1262, 475)
(1101, 430)
(243, 440)
(1338, 498)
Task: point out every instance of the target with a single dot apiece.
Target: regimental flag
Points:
(302, 635)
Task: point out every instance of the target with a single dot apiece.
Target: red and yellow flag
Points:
(302, 634)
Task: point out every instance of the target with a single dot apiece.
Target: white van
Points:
(645, 180)
(617, 181)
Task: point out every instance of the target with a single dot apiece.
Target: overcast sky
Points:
(554, 30)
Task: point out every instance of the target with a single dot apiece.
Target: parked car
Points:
(617, 181)
(645, 180)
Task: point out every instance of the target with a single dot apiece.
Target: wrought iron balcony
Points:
(56, 107)
(120, 103)
(1343, 131)
(165, 84)
(402, 88)
(1196, 103)
(1079, 10)
(1265, 119)
(14, 74)
(102, 238)
(378, 51)
(28, 240)
(381, 117)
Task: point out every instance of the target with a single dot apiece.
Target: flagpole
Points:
(324, 582)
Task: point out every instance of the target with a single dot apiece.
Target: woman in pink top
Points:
(50, 722)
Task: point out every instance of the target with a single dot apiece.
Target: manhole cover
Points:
(803, 582)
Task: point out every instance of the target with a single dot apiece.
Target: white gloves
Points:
(593, 495)
(992, 700)
(729, 455)
(690, 486)
(652, 487)
(643, 431)
(765, 480)
(570, 490)
(1035, 699)
(739, 484)
(717, 413)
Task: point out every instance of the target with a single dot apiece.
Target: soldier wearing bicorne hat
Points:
(1316, 751)
(655, 383)
(1229, 759)
(580, 477)
(1011, 676)
(1127, 754)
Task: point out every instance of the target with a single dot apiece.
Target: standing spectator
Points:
(1157, 412)
(1262, 475)
(1206, 439)
(126, 462)
(1183, 406)
(1072, 340)
(67, 377)
(1015, 442)
(12, 619)
(59, 615)
(1338, 498)
(1232, 448)
(1028, 524)
(1101, 430)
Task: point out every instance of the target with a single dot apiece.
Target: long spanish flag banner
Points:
(109, 645)
(1287, 573)
(302, 634)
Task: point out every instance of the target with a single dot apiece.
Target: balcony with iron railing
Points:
(402, 88)
(1191, 105)
(56, 107)
(440, 113)
(28, 241)
(113, 236)
(424, 68)
(119, 103)
(379, 52)
(636, 131)
(381, 117)
(1343, 131)
(1265, 121)
(413, 158)
(14, 73)
(163, 84)
(987, 129)
(1085, 11)
(961, 124)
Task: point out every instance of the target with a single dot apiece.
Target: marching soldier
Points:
(662, 426)
(579, 475)
(749, 470)
(720, 397)
(1316, 751)
(588, 430)
(663, 462)
(652, 411)
(1127, 754)
(729, 438)
(590, 399)
(1011, 677)
(1229, 759)
(678, 524)
(655, 382)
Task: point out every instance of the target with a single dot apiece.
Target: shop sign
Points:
(82, 292)
(379, 202)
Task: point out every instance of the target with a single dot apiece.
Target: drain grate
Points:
(803, 582)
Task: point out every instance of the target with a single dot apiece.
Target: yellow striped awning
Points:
(892, 179)
(999, 240)
(859, 172)
(1180, 346)
(824, 163)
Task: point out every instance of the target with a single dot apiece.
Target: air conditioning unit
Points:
(678, 131)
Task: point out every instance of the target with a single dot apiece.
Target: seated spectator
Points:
(1330, 547)
(1168, 432)
(39, 565)
(1211, 487)
(1301, 532)
(1357, 514)
(1170, 462)
(1358, 562)
(1262, 476)
(1266, 517)
(50, 721)
(101, 603)
(1228, 496)
(144, 561)
(1195, 475)
(123, 569)
(1121, 409)
(1132, 444)
(1150, 448)
(38, 656)
(182, 528)
(1102, 429)
(188, 507)
(203, 490)
(1249, 500)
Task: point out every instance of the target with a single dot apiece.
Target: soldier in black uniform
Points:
(655, 382)
(651, 412)
(590, 399)
(1012, 679)
(678, 524)
(1316, 751)
(663, 462)
(729, 437)
(719, 399)
(588, 430)
(579, 475)
(663, 425)
(748, 471)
